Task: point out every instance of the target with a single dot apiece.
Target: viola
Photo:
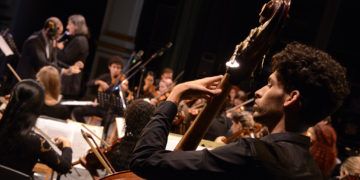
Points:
(160, 97)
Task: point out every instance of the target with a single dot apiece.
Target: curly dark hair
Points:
(320, 80)
(137, 115)
(116, 60)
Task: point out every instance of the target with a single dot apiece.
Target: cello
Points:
(249, 52)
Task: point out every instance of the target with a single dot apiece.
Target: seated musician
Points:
(243, 126)
(166, 73)
(163, 91)
(233, 93)
(305, 86)
(148, 90)
(137, 115)
(49, 77)
(21, 148)
(103, 83)
(220, 126)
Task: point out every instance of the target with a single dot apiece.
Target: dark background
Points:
(205, 32)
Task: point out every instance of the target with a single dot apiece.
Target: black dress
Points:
(56, 111)
(23, 152)
(76, 49)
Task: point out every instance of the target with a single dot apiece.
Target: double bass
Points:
(249, 53)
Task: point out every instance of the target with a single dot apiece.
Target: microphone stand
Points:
(153, 56)
(140, 82)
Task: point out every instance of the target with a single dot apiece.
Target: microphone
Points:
(64, 37)
(137, 56)
(162, 50)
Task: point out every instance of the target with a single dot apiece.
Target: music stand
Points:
(10, 173)
(8, 55)
(114, 104)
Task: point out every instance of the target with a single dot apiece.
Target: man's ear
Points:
(292, 99)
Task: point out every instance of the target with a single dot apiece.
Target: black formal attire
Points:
(276, 156)
(26, 150)
(80, 112)
(37, 52)
(220, 126)
(56, 111)
(75, 49)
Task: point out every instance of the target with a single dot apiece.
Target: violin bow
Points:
(97, 137)
(13, 71)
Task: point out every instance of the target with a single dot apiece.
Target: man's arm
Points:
(151, 160)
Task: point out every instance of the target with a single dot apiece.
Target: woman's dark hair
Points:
(320, 80)
(23, 109)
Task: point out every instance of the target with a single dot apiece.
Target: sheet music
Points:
(70, 130)
(5, 47)
(78, 103)
(120, 126)
(80, 146)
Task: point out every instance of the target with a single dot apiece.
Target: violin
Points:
(117, 154)
(163, 96)
(114, 82)
(257, 131)
(186, 114)
(160, 97)
(98, 152)
(91, 162)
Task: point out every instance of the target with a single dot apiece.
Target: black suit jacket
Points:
(33, 56)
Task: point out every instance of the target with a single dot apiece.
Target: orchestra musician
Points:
(166, 73)
(40, 50)
(148, 90)
(305, 86)
(102, 83)
(49, 77)
(165, 86)
(137, 115)
(243, 126)
(73, 50)
(21, 148)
